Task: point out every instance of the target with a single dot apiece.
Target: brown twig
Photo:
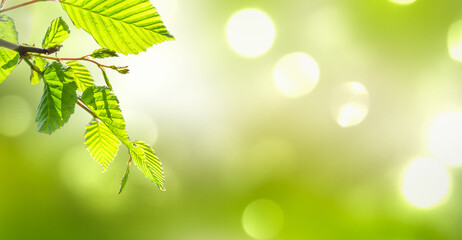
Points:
(82, 105)
(23, 50)
(24, 4)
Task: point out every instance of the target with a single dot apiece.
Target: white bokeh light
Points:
(403, 1)
(445, 138)
(425, 182)
(250, 32)
(296, 74)
(262, 219)
(350, 104)
(351, 114)
(16, 115)
(455, 40)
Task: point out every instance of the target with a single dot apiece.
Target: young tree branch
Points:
(122, 70)
(23, 4)
(84, 58)
(23, 50)
(84, 107)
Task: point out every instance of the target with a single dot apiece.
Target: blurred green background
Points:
(242, 159)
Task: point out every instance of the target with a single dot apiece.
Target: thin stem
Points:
(84, 58)
(97, 63)
(57, 58)
(129, 162)
(33, 67)
(25, 4)
(106, 79)
(82, 105)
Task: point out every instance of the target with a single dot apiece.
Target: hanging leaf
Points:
(56, 33)
(58, 100)
(150, 164)
(82, 76)
(124, 180)
(101, 143)
(8, 58)
(125, 26)
(105, 105)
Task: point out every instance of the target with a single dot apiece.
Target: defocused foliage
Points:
(229, 138)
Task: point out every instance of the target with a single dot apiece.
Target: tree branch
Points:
(23, 50)
(23, 4)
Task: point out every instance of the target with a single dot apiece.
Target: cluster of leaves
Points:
(118, 26)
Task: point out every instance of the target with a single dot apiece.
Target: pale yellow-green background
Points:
(228, 137)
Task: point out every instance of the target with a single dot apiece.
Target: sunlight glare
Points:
(296, 74)
(425, 182)
(250, 32)
(445, 138)
(403, 1)
(351, 114)
(455, 40)
(350, 104)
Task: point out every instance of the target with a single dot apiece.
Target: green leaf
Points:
(103, 53)
(121, 70)
(82, 76)
(8, 58)
(101, 143)
(150, 164)
(105, 105)
(7, 29)
(58, 100)
(125, 26)
(48, 114)
(56, 33)
(35, 77)
(124, 180)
